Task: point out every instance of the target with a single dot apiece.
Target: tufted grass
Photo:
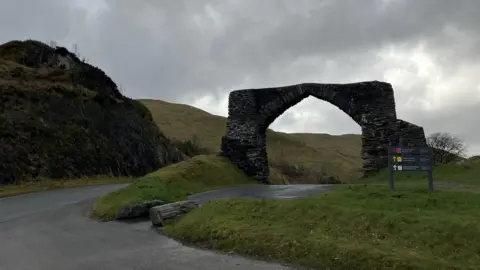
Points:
(173, 183)
(362, 226)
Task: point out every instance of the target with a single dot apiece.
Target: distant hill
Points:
(322, 153)
(62, 118)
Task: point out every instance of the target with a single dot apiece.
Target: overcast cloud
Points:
(196, 52)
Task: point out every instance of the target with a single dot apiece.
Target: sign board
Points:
(407, 159)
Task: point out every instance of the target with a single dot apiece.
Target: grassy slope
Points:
(353, 227)
(173, 183)
(340, 155)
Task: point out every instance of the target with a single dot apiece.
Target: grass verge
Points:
(47, 184)
(173, 183)
(465, 176)
(353, 227)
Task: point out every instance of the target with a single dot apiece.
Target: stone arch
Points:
(370, 104)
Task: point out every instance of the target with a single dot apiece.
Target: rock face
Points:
(62, 118)
(411, 134)
(160, 215)
(370, 104)
(137, 210)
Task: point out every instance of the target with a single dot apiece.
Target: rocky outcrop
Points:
(161, 215)
(370, 104)
(62, 118)
(137, 210)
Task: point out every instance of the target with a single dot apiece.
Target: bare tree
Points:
(446, 147)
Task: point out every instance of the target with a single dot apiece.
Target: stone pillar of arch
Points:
(370, 104)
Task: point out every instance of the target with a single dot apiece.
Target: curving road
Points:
(51, 230)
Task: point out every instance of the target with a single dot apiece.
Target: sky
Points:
(197, 51)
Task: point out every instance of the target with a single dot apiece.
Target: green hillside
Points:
(337, 156)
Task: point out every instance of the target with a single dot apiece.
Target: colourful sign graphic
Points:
(410, 159)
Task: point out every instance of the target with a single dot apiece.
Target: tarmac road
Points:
(50, 230)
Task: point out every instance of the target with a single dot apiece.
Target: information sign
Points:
(409, 159)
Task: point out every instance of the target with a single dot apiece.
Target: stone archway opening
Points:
(370, 104)
(314, 142)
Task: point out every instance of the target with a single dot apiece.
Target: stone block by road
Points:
(137, 210)
(160, 215)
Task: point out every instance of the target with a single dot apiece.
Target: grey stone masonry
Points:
(370, 104)
(412, 135)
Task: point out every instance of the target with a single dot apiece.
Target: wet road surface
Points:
(261, 191)
(51, 230)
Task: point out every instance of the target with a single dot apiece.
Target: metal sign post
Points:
(409, 159)
(391, 177)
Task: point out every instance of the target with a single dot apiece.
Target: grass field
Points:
(173, 183)
(338, 155)
(362, 226)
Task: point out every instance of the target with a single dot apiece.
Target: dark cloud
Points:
(196, 51)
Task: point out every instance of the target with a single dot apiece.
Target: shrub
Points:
(191, 147)
(298, 173)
